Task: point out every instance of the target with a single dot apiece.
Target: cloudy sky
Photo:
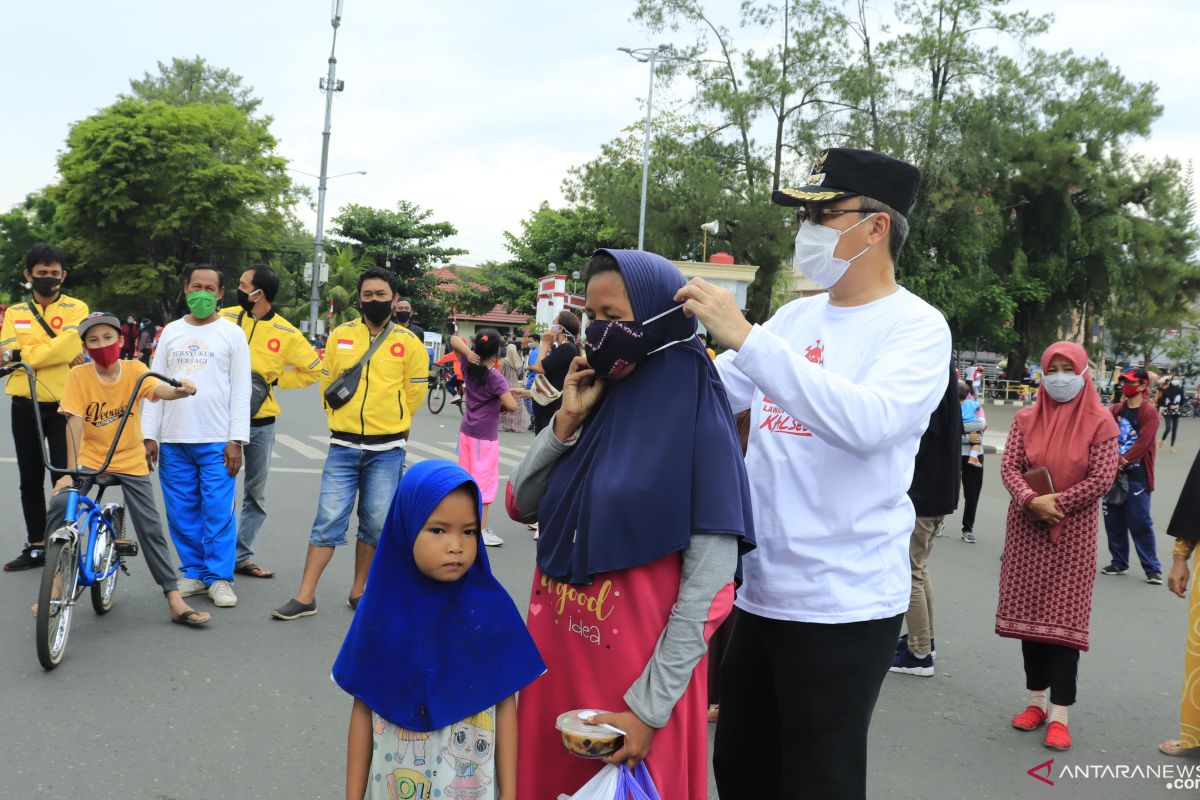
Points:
(474, 109)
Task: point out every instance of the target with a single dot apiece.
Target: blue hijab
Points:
(658, 460)
(421, 653)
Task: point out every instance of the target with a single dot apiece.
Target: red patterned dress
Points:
(1046, 589)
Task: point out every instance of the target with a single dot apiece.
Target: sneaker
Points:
(294, 609)
(908, 664)
(902, 645)
(1154, 578)
(1113, 569)
(221, 593)
(1058, 736)
(490, 539)
(31, 557)
(968, 537)
(1029, 719)
(191, 586)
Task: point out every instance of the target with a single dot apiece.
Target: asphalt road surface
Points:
(244, 708)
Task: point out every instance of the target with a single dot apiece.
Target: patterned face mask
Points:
(614, 344)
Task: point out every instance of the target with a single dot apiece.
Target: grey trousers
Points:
(138, 492)
(256, 459)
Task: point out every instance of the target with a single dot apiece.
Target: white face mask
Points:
(1176, 382)
(814, 252)
(1062, 386)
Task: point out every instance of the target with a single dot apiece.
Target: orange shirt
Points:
(100, 405)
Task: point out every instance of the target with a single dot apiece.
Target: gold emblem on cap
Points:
(820, 161)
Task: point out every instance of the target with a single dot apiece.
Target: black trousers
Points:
(29, 458)
(972, 483)
(1171, 426)
(796, 704)
(1053, 667)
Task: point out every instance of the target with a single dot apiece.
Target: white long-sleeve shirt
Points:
(839, 398)
(216, 358)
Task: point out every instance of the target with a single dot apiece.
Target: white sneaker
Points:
(191, 586)
(221, 593)
(490, 539)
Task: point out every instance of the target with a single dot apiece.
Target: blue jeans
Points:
(1132, 519)
(256, 459)
(199, 496)
(370, 476)
(529, 378)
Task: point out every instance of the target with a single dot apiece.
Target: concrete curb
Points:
(1014, 403)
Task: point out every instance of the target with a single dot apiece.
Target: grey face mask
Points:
(1062, 387)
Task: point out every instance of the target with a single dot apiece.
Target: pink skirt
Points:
(481, 458)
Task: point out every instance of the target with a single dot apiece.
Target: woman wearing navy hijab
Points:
(436, 653)
(640, 490)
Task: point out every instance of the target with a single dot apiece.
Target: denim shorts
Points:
(369, 476)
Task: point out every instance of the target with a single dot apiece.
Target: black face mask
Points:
(402, 317)
(376, 312)
(46, 286)
(245, 302)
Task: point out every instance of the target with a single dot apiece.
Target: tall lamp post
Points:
(330, 84)
(653, 55)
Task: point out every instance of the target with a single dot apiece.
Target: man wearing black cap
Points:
(840, 388)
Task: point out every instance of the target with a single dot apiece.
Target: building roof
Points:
(499, 315)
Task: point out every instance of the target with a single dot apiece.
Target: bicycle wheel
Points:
(437, 397)
(104, 590)
(55, 603)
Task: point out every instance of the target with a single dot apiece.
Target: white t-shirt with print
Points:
(839, 398)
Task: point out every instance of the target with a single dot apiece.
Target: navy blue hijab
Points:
(658, 460)
(424, 654)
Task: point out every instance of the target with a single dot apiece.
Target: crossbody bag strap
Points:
(375, 345)
(33, 309)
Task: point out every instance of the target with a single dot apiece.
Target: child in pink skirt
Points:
(485, 394)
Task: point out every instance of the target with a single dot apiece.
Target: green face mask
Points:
(202, 304)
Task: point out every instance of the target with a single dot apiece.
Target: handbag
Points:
(259, 388)
(1118, 495)
(544, 392)
(346, 384)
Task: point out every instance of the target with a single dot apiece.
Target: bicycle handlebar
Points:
(79, 471)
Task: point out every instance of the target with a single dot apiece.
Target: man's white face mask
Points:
(814, 252)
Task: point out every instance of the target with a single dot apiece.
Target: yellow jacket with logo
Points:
(390, 389)
(51, 358)
(279, 352)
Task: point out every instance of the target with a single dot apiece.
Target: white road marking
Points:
(300, 447)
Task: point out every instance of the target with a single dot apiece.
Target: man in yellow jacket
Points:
(282, 358)
(43, 332)
(367, 435)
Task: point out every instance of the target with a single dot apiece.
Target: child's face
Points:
(448, 542)
(101, 336)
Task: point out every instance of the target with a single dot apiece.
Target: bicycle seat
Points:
(105, 479)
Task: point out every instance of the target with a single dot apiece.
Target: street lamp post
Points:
(330, 84)
(652, 55)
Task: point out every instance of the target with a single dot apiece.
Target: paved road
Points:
(245, 708)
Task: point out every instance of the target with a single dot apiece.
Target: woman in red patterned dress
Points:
(1050, 548)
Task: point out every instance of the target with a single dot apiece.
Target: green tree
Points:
(187, 81)
(148, 188)
(28, 223)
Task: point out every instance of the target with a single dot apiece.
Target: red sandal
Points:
(1058, 736)
(1029, 719)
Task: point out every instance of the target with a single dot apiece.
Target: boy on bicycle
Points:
(96, 396)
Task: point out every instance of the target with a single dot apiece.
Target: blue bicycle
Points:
(88, 550)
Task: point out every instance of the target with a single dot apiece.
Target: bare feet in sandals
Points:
(253, 570)
(1175, 747)
(183, 614)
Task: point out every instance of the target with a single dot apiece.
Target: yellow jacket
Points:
(391, 388)
(279, 352)
(50, 357)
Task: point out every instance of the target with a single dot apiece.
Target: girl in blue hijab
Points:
(436, 653)
(641, 492)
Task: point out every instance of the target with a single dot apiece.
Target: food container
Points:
(588, 741)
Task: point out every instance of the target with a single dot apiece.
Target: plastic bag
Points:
(617, 783)
(602, 786)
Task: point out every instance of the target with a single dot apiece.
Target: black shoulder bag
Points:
(259, 388)
(346, 384)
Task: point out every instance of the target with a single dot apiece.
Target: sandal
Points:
(189, 618)
(1029, 719)
(1175, 747)
(352, 602)
(713, 712)
(254, 570)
